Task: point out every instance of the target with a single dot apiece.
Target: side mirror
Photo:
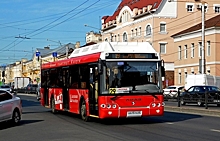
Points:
(100, 66)
(162, 71)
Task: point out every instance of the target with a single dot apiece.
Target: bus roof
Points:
(114, 47)
(93, 52)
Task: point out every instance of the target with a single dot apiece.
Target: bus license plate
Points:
(134, 113)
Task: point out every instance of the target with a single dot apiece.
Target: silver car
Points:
(10, 107)
(5, 87)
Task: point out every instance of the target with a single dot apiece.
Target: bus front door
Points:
(93, 90)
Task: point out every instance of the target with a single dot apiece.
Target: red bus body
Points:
(108, 108)
(122, 105)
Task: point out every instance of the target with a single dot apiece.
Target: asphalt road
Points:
(39, 124)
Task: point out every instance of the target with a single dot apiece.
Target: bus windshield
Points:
(135, 76)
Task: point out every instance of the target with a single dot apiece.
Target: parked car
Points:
(31, 88)
(6, 87)
(10, 107)
(38, 91)
(198, 94)
(172, 91)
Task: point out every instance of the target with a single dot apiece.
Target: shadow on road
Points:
(6, 125)
(168, 117)
(28, 103)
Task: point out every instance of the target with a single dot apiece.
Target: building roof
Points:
(60, 50)
(132, 4)
(212, 22)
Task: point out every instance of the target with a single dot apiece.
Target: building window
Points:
(162, 27)
(208, 48)
(118, 37)
(180, 78)
(200, 49)
(139, 31)
(148, 30)
(185, 76)
(115, 38)
(192, 50)
(132, 33)
(125, 38)
(185, 54)
(136, 32)
(180, 53)
(217, 9)
(162, 48)
(106, 39)
(189, 8)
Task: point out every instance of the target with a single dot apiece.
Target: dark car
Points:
(199, 95)
(31, 88)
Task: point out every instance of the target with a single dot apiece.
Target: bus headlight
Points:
(114, 106)
(108, 106)
(103, 105)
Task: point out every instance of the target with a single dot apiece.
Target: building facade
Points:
(188, 44)
(155, 21)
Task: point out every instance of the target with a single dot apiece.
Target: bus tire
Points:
(53, 110)
(83, 110)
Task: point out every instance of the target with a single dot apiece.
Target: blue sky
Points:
(29, 24)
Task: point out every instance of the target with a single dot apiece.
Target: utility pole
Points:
(203, 66)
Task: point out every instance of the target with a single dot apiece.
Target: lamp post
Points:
(203, 67)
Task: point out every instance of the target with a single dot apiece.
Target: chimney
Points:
(46, 47)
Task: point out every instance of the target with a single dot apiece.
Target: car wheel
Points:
(83, 111)
(199, 103)
(182, 102)
(53, 110)
(16, 117)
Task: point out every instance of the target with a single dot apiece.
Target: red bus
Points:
(106, 80)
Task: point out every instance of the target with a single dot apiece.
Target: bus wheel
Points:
(83, 111)
(53, 110)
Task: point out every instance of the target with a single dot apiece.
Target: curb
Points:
(206, 112)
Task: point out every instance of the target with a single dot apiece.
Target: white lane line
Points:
(214, 130)
(169, 123)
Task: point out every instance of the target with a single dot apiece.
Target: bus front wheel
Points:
(83, 112)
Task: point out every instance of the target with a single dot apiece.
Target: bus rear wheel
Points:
(83, 110)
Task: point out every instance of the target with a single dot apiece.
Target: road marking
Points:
(214, 130)
(169, 123)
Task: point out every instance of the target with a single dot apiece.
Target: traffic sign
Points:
(54, 54)
(37, 54)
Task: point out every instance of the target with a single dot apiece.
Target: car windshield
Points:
(3, 86)
(133, 75)
(212, 88)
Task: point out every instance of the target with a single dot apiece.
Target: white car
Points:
(172, 91)
(10, 107)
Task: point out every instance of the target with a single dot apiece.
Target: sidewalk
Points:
(192, 110)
